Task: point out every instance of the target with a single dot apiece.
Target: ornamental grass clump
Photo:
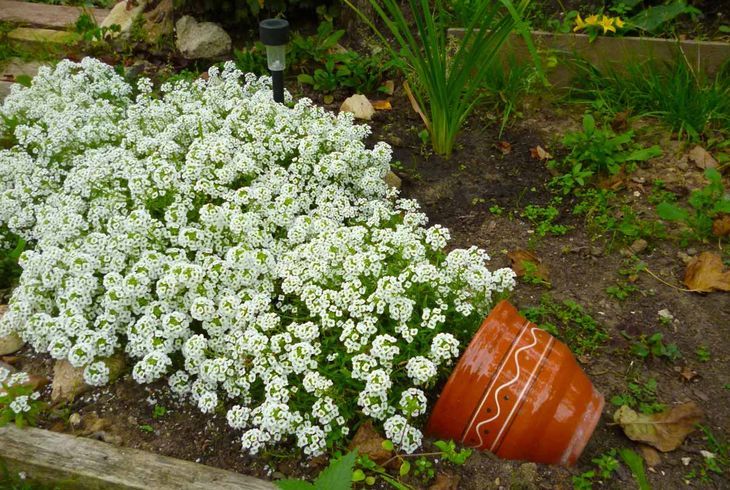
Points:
(449, 83)
(248, 252)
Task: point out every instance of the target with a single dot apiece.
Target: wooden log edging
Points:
(86, 464)
(614, 52)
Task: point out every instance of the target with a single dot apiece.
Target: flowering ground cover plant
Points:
(248, 251)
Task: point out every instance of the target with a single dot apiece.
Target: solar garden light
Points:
(274, 33)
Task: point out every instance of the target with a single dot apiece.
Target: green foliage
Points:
(654, 346)
(90, 30)
(621, 291)
(640, 396)
(449, 82)
(606, 466)
(158, 412)
(707, 203)
(9, 269)
(337, 476)
(654, 18)
(543, 218)
(601, 151)
(703, 354)
(636, 465)
(604, 216)
(568, 321)
(717, 461)
(687, 101)
(449, 452)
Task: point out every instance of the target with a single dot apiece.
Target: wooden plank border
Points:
(77, 463)
(605, 52)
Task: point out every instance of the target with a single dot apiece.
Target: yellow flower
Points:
(619, 23)
(579, 24)
(592, 20)
(607, 24)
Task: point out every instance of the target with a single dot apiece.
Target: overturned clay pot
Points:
(519, 393)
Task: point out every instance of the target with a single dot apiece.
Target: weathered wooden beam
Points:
(41, 15)
(616, 52)
(86, 464)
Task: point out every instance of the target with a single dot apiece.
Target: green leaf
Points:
(24, 80)
(405, 468)
(305, 78)
(652, 18)
(338, 475)
(294, 485)
(589, 124)
(370, 480)
(671, 212)
(644, 154)
(636, 465)
(387, 445)
(358, 475)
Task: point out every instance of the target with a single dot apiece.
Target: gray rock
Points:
(201, 40)
(123, 15)
(392, 180)
(359, 105)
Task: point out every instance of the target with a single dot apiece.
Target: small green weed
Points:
(568, 321)
(715, 461)
(703, 354)
(654, 346)
(159, 411)
(706, 203)
(640, 396)
(598, 151)
(543, 219)
(621, 291)
(606, 466)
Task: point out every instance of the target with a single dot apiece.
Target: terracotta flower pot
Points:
(518, 392)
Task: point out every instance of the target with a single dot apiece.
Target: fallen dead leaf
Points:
(721, 226)
(505, 147)
(687, 373)
(665, 431)
(651, 456)
(706, 273)
(620, 123)
(518, 258)
(445, 481)
(700, 157)
(388, 87)
(368, 441)
(539, 153)
(381, 105)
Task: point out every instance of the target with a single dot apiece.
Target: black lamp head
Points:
(274, 32)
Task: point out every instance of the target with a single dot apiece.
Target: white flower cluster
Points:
(18, 404)
(248, 251)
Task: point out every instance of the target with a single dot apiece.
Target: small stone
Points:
(359, 105)
(666, 315)
(68, 381)
(702, 158)
(639, 246)
(123, 15)
(10, 343)
(74, 419)
(686, 461)
(691, 251)
(201, 40)
(392, 180)
(596, 251)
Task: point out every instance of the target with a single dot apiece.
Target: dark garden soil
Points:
(458, 193)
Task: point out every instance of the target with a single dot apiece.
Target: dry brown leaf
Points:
(687, 373)
(620, 123)
(388, 87)
(721, 226)
(700, 157)
(517, 263)
(505, 147)
(381, 105)
(446, 481)
(416, 106)
(665, 431)
(539, 153)
(706, 273)
(651, 456)
(368, 441)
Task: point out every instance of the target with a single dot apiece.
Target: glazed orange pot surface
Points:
(519, 393)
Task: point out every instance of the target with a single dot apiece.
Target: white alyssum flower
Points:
(245, 250)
